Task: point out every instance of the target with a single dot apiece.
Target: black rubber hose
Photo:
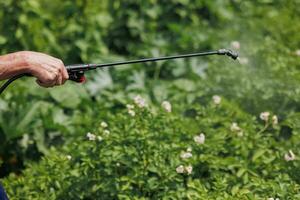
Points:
(4, 86)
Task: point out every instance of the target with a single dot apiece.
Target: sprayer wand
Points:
(76, 72)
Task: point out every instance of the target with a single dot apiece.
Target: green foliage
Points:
(52, 123)
(135, 157)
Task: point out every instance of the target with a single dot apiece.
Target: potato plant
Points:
(229, 131)
(208, 151)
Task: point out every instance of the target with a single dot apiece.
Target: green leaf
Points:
(258, 154)
(3, 40)
(240, 172)
(68, 96)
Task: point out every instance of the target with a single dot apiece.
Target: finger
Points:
(62, 71)
(54, 63)
(45, 85)
(65, 74)
(47, 74)
(59, 80)
(50, 79)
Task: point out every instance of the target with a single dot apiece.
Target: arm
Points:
(48, 70)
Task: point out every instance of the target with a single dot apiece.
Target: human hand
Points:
(48, 70)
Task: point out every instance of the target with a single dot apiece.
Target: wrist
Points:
(12, 64)
(24, 62)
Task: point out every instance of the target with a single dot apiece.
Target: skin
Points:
(48, 70)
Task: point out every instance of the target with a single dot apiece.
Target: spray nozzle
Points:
(234, 55)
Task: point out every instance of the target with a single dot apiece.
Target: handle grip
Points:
(77, 76)
(76, 72)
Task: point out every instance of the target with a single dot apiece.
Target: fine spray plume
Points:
(76, 71)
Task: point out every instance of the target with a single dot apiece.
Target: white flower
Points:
(216, 99)
(167, 106)
(186, 155)
(91, 136)
(25, 141)
(264, 116)
(297, 52)
(107, 132)
(69, 157)
(189, 149)
(200, 139)
(99, 138)
(180, 169)
(189, 169)
(118, 164)
(131, 112)
(234, 127)
(274, 120)
(130, 109)
(290, 156)
(140, 102)
(243, 60)
(129, 106)
(240, 133)
(103, 124)
(235, 44)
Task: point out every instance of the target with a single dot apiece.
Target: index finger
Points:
(65, 74)
(63, 70)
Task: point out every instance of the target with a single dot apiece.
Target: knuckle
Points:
(57, 71)
(60, 62)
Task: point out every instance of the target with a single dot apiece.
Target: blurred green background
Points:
(264, 32)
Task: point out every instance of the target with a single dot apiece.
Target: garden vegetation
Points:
(200, 128)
